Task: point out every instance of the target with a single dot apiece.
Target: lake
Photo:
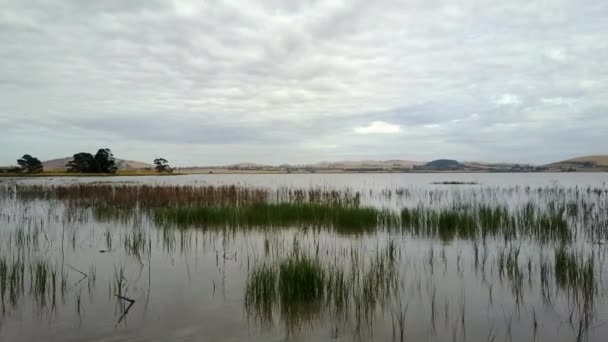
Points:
(305, 257)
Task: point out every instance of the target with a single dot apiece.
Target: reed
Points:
(303, 288)
(43, 282)
(12, 274)
(342, 219)
(575, 274)
(145, 196)
(470, 222)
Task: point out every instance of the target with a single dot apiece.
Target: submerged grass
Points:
(575, 273)
(150, 196)
(471, 222)
(303, 289)
(341, 218)
(12, 273)
(544, 213)
(297, 285)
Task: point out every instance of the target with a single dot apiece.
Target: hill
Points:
(442, 165)
(600, 160)
(122, 164)
(585, 163)
(365, 164)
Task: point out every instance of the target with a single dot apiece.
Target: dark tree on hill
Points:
(81, 162)
(104, 161)
(162, 165)
(30, 164)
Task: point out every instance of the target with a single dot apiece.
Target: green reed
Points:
(470, 222)
(343, 219)
(43, 281)
(135, 243)
(12, 274)
(303, 288)
(575, 273)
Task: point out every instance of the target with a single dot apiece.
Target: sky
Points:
(274, 81)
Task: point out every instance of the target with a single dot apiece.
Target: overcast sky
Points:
(276, 81)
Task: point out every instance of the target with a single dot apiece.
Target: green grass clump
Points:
(297, 285)
(260, 292)
(468, 222)
(304, 288)
(446, 224)
(341, 218)
(575, 274)
(43, 281)
(11, 280)
(301, 279)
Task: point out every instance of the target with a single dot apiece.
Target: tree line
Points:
(102, 162)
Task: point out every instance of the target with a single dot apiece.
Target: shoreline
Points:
(268, 172)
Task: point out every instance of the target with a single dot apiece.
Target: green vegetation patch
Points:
(345, 219)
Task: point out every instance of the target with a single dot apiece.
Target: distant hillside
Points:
(122, 164)
(600, 160)
(586, 163)
(246, 166)
(442, 165)
(363, 164)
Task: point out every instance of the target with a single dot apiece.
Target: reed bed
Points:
(544, 213)
(302, 288)
(342, 219)
(148, 196)
(473, 222)
(128, 196)
(575, 273)
(545, 245)
(12, 275)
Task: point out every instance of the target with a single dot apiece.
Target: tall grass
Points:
(129, 196)
(544, 213)
(303, 288)
(482, 221)
(12, 274)
(575, 273)
(343, 219)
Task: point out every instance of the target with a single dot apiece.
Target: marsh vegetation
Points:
(419, 262)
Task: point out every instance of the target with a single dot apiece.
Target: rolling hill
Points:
(586, 163)
(592, 163)
(363, 164)
(600, 160)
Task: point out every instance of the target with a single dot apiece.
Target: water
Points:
(189, 284)
(360, 181)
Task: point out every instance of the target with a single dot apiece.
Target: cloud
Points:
(216, 81)
(557, 55)
(378, 127)
(558, 101)
(508, 100)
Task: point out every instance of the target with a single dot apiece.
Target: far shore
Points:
(225, 171)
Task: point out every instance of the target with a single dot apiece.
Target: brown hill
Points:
(585, 163)
(600, 160)
(363, 164)
(122, 164)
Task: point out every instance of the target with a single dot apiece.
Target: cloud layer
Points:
(270, 81)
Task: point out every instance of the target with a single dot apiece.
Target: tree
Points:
(162, 165)
(104, 161)
(81, 162)
(30, 164)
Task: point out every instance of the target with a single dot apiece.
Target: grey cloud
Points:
(306, 73)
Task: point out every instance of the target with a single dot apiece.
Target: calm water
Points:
(359, 181)
(189, 284)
